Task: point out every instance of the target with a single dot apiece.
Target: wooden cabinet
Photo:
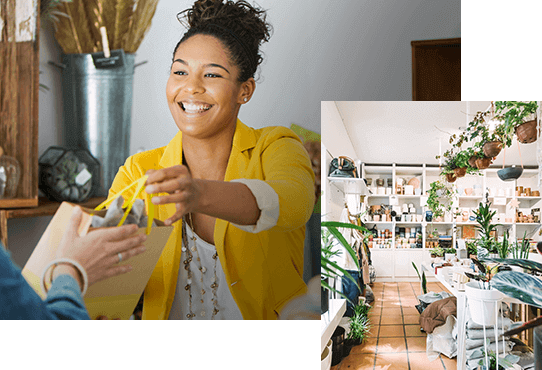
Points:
(436, 69)
(19, 87)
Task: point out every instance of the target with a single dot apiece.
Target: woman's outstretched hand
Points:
(183, 190)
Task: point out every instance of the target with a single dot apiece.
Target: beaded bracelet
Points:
(65, 260)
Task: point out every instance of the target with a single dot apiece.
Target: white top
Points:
(268, 203)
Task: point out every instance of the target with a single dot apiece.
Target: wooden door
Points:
(436, 69)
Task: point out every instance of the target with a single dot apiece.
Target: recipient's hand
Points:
(98, 251)
(183, 190)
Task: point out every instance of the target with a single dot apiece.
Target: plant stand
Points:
(484, 308)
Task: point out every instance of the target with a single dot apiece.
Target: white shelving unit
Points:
(395, 264)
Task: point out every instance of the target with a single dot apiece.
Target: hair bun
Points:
(245, 23)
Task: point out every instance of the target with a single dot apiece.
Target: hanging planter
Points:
(519, 117)
(492, 148)
(460, 172)
(510, 173)
(526, 132)
(483, 163)
(472, 161)
(483, 303)
(450, 177)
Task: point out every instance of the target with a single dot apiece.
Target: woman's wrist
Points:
(67, 269)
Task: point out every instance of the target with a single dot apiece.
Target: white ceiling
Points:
(409, 132)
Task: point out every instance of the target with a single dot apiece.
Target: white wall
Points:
(320, 50)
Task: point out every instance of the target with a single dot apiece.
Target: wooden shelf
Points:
(45, 208)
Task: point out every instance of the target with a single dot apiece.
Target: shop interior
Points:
(429, 235)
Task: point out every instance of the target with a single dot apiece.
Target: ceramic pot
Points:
(483, 163)
(450, 177)
(526, 132)
(338, 338)
(483, 303)
(472, 161)
(492, 148)
(510, 173)
(325, 359)
(460, 172)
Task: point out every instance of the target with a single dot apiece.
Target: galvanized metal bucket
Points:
(97, 111)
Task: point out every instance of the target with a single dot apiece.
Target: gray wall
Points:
(320, 50)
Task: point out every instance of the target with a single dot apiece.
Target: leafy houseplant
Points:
(359, 324)
(491, 361)
(485, 227)
(524, 287)
(439, 191)
(329, 268)
(491, 142)
(472, 250)
(437, 252)
(518, 117)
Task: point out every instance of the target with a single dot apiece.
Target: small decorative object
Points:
(68, 174)
(10, 172)
(483, 163)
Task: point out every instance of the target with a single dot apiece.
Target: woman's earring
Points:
(245, 99)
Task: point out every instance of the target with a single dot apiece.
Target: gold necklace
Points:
(214, 286)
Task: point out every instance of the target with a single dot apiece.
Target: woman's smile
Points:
(191, 107)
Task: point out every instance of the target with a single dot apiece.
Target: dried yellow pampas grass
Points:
(77, 25)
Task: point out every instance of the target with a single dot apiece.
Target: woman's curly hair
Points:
(241, 27)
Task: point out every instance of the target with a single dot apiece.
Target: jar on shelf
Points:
(68, 174)
(10, 173)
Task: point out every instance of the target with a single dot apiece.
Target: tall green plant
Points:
(485, 227)
(329, 268)
(422, 278)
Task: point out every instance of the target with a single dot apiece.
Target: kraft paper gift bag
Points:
(115, 297)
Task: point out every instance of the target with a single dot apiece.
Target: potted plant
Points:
(437, 252)
(359, 327)
(472, 250)
(423, 280)
(439, 198)
(449, 254)
(503, 363)
(485, 227)
(329, 268)
(491, 142)
(527, 289)
(518, 117)
(481, 296)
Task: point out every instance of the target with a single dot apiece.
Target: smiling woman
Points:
(241, 196)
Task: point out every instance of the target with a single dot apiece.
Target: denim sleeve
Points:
(18, 301)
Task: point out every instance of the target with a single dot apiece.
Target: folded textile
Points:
(479, 334)
(436, 313)
(506, 321)
(479, 352)
(115, 213)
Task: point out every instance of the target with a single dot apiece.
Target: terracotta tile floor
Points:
(395, 340)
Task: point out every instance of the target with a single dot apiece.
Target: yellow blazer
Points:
(264, 270)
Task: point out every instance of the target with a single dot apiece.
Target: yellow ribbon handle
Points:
(140, 186)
